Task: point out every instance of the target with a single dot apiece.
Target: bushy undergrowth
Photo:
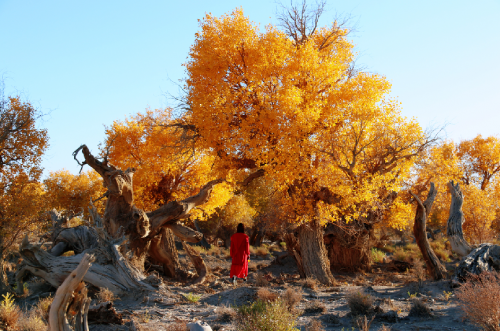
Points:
(479, 299)
(360, 303)
(377, 255)
(266, 316)
(9, 311)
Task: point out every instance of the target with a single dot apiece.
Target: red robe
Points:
(240, 252)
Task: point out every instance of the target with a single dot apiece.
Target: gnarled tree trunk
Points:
(455, 221)
(313, 252)
(434, 266)
(163, 251)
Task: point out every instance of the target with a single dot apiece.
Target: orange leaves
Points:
(300, 112)
(22, 145)
(475, 165)
(71, 193)
(168, 164)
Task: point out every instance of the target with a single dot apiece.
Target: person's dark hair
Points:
(240, 228)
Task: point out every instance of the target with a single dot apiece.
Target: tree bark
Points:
(313, 253)
(434, 266)
(455, 221)
(293, 249)
(70, 303)
(110, 270)
(163, 251)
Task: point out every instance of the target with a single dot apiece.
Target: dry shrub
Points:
(419, 272)
(261, 251)
(214, 250)
(275, 248)
(311, 283)
(179, 326)
(292, 297)
(315, 325)
(265, 295)
(441, 250)
(360, 280)
(9, 312)
(199, 249)
(105, 295)
(400, 254)
(226, 314)
(31, 322)
(263, 316)
(419, 309)
(364, 324)
(260, 280)
(479, 299)
(388, 249)
(315, 307)
(360, 303)
(43, 306)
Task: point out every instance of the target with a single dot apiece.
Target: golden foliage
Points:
(72, 193)
(301, 113)
(22, 145)
(475, 165)
(168, 167)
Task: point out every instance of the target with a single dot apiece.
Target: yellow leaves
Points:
(72, 193)
(474, 164)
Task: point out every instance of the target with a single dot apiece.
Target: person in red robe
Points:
(240, 254)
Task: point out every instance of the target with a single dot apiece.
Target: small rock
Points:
(199, 326)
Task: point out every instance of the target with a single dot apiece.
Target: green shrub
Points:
(377, 256)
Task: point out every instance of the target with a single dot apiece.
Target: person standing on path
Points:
(240, 254)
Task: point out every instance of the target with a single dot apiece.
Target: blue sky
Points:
(90, 63)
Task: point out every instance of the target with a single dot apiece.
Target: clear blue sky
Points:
(92, 62)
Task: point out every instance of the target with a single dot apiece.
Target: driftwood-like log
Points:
(455, 221)
(486, 257)
(110, 270)
(434, 266)
(70, 304)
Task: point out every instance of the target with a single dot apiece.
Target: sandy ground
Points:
(391, 291)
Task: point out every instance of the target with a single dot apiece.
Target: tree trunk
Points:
(348, 246)
(163, 251)
(313, 253)
(434, 266)
(293, 249)
(455, 221)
